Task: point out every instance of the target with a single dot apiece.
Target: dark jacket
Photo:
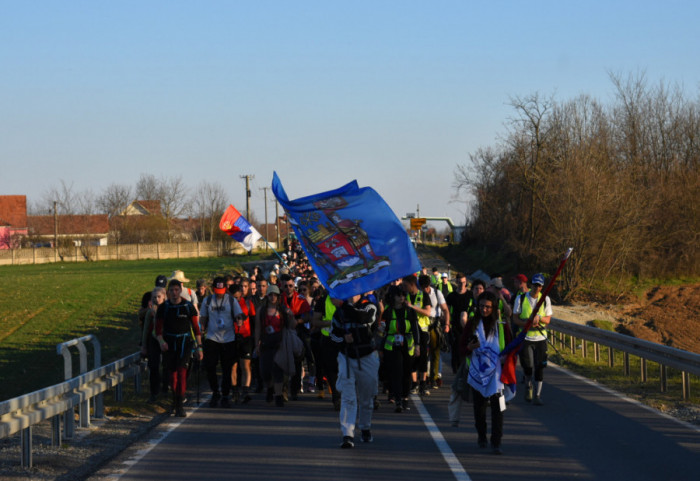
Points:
(359, 320)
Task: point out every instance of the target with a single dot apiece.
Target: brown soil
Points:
(667, 315)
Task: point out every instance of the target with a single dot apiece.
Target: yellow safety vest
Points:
(423, 321)
(328, 316)
(526, 312)
(392, 330)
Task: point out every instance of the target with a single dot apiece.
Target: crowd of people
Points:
(280, 335)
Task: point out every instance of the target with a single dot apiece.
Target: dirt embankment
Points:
(667, 315)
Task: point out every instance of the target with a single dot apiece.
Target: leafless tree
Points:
(114, 199)
(209, 201)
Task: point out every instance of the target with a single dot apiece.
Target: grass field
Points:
(44, 305)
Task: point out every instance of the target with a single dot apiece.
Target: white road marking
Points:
(459, 473)
(171, 425)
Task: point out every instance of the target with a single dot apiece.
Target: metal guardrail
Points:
(58, 401)
(665, 356)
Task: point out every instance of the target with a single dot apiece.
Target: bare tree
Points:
(114, 199)
(208, 203)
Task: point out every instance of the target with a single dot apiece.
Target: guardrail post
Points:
(56, 431)
(584, 348)
(663, 377)
(98, 401)
(572, 342)
(596, 352)
(26, 448)
(643, 366)
(611, 357)
(84, 408)
(686, 385)
(68, 416)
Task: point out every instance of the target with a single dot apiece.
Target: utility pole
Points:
(55, 225)
(277, 217)
(267, 234)
(247, 194)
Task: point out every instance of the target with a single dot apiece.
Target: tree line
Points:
(182, 210)
(620, 183)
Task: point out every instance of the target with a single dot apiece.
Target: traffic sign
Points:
(417, 223)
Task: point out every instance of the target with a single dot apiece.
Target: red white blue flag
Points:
(238, 227)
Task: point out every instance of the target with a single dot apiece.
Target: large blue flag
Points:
(352, 238)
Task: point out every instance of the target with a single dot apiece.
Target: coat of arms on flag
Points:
(352, 238)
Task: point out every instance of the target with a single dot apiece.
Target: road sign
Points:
(417, 223)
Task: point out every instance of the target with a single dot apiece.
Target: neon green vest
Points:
(423, 321)
(392, 330)
(526, 312)
(328, 316)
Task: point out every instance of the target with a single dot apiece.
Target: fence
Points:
(58, 402)
(686, 362)
(176, 250)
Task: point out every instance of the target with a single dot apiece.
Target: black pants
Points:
(397, 363)
(480, 405)
(215, 353)
(154, 367)
(295, 381)
(533, 357)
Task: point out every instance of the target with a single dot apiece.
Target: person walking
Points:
(150, 347)
(271, 319)
(358, 366)
(401, 344)
(484, 337)
(177, 331)
(219, 314)
(533, 356)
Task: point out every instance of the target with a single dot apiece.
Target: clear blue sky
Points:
(393, 94)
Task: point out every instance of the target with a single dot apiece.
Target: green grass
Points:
(44, 305)
(648, 392)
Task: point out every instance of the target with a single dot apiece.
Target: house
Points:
(13, 220)
(143, 207)
(80, 229)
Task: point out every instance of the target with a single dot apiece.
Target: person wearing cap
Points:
(533, 356)
(177, 331)
(445, 286)
(270, 320)
(218, 315)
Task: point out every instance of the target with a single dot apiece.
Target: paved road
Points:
(582, 432)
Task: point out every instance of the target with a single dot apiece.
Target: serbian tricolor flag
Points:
(235, 225)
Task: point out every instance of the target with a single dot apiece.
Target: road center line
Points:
(459, 473)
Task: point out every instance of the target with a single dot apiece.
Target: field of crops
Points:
(44, 305)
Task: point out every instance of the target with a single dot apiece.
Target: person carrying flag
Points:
(533, 356)
(358, 365)
(483, 338)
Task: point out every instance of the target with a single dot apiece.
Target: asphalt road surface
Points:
(581, 432)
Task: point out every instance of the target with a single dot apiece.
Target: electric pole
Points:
(277, 216)
(267, 234)
(247, 194)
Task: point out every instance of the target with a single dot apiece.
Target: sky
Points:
(394, 94)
